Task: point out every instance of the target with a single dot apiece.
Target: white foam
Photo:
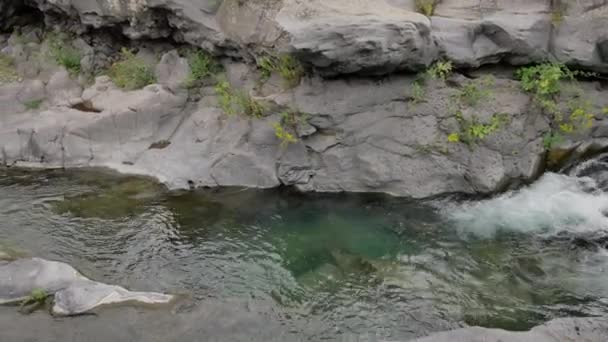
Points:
(553, 203)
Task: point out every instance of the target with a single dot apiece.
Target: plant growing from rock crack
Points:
(64, 53)
(202, 65)
(283, 134)
(426, 7)
(286, 65)
(287, 128)
(7, 69)
(473, 131)
(544, 83)
(551, 139)
(131, 72)
(233, 101)
(441, 70)
(33, 104)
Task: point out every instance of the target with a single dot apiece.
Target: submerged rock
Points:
(557, 330)
(74, 293)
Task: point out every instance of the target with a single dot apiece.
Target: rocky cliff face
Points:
(345, 37)
(361, 124)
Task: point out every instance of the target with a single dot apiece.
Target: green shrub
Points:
(131, 72)
(64, 53)
(234, 102)
(473, 131)
(7, 69)
(551, 139)
(202, 65)
(33, 104)
(283, 134)
(544, 83)
(441, 70)
(426, 7)
(286, 65)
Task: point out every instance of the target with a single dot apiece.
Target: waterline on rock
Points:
(552, 204)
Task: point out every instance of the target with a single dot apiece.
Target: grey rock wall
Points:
(364, 37)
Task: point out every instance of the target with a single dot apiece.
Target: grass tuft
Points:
(131, 72)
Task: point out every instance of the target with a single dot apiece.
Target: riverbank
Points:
(417, 116)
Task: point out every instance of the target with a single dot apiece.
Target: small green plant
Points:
(471, 94)
(64, 53)
(286, 65)
(454, 137)
(7, 69)
(473, 131)
(605, 110)
(418, 94)
(551, 139)
(544, 82)
(283, 134)
(225, 95)
(202, 65)
(33, 104)
(426, 7)
(237, 102)
(579, 119)
(36, 297)
(441, 70)
(250, 106)
(131, 72)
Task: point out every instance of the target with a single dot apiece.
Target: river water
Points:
(328, 267)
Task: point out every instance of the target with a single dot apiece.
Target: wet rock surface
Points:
(73, 293)
(564, 329)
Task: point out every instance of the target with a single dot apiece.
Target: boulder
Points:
(172, 70)
(343, 37)
(62, 89)
(74, 293)
(362, 37)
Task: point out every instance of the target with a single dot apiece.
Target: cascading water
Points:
(574, 202)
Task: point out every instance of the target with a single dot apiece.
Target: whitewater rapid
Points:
(574, 202)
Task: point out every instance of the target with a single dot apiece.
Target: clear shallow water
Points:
(360, 264)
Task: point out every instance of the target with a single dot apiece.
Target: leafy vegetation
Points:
(441, 70)
(33, 104)
(283, 134)
(64, 53)
(131, 72)
(7, 69)
(551, 139)
(426, 7)
(545, 82)
(286, 129)
(202, 66)
(473, 131)
(286, 65)
(472, 93)
(234, 102)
